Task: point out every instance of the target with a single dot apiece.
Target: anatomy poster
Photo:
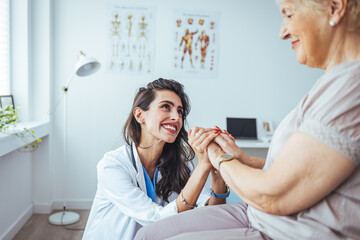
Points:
(131, 39)
(196, 43)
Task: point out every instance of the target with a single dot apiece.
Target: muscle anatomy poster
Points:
(196, 43)
(131, 45)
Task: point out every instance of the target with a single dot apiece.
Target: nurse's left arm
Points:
(305, 171)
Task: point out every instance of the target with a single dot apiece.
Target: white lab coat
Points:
(120, 207)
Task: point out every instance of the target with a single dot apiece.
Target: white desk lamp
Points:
(85, 66)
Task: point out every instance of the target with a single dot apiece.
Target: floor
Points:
(38, 228)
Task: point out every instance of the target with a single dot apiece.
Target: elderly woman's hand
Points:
(199, 139)
(227, 142)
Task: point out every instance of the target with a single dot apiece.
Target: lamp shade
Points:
(86, 66)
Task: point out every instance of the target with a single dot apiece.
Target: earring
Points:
(332, 23)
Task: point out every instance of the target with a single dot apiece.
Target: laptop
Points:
(242, 128)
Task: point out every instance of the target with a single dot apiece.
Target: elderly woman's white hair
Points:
(352, 15)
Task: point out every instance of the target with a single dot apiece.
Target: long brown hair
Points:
(173, 162)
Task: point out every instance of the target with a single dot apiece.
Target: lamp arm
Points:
(66, 87)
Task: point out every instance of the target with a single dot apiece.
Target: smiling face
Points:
(309, 32)
(163, 120)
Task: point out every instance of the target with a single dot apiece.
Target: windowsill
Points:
(9, 143)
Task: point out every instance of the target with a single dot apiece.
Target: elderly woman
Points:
(308, 187)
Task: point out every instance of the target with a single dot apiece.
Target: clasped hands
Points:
(210, 143)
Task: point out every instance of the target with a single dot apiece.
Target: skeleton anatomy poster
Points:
(131, 39)
(196, 47)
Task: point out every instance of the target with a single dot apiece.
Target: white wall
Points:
(258, 77)
(15, 187)
(25, 186)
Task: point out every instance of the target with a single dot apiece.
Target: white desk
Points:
(252, 143)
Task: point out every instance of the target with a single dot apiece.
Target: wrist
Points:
(241, 156)
(204, 166)
(215, 152)
(184, 202)
(220, 194)
(216, 176)
(225, 158)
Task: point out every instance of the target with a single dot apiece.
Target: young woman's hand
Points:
(199, 139)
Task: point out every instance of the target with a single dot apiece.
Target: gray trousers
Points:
(227, 221)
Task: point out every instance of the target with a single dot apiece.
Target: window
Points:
(4, 48)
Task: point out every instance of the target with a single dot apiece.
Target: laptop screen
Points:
(242, 128)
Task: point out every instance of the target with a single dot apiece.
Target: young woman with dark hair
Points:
(150, 178)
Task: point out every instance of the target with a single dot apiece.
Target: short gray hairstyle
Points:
(352, 15)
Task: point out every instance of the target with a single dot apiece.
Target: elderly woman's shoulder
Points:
(346, 73)
(351, 74)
